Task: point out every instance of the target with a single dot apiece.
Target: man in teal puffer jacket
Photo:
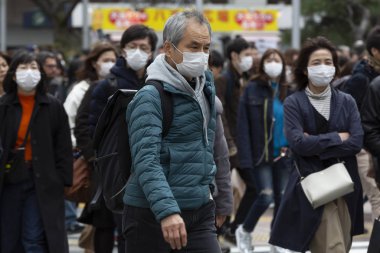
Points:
(168, 197)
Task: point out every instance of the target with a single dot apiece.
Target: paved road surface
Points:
(261, 236)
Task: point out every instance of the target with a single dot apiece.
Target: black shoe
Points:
(74, 228)
(229, 236)
(225, 249)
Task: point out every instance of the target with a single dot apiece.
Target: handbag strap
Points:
(296, 166)
(29, 128)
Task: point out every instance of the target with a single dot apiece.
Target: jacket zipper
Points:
(267, 140)
(265, 130)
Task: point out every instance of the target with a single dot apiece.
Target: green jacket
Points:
(174, 173)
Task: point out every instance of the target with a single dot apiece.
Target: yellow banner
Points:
(118, 19)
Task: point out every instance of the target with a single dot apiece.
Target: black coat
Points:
(296, 221)
(51, 161)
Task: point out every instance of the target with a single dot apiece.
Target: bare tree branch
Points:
(69, 11)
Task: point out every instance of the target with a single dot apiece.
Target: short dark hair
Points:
(21, 57)
(87, 70)
(43, 55)
(136, 32)
(216, 59)
(373, 39)
(311, 45)
(237, 45)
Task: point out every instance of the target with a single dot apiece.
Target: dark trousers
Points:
(143, 233)
(21, 228)
(250, 195)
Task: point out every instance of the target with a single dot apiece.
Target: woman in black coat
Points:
(36, 164)
(323, 127)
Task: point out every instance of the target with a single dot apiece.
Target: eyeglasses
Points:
(144, 48)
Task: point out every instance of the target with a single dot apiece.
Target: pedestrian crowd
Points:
(219, 138)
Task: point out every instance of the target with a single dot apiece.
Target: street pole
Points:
(3, 25)
(199, 5)
(85, 26)
(296, 30)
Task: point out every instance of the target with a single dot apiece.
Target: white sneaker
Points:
(243, 240)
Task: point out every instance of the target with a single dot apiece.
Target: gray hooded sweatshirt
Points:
(162, 71)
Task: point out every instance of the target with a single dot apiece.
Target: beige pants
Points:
(334, 233)
(369, 185)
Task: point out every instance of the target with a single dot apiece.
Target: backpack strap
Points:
(166, 105)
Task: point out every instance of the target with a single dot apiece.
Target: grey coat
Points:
(223, 192)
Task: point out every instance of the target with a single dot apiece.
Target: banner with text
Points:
(119, 19)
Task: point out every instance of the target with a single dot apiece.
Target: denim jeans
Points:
(21, 222)
(143, 233)
(270, 183)
(70, 213)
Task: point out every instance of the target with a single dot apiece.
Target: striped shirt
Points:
(321, 102)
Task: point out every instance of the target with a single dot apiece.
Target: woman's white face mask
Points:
(321, 75)
(273, 69)
(105, 68)
(27, 79)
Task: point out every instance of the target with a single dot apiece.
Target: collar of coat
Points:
(12, 98)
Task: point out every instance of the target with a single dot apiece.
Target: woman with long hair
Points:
(261, 142)
(36, 164)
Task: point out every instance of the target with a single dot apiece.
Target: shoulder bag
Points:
(326, 185)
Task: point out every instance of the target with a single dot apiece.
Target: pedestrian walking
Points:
(261, 141)
(168, 197)
(229, 86)
(138, 43)
(37, 162)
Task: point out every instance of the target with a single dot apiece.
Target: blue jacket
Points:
(174, 173)
(125, 78)
(296, 221)
(255, 125)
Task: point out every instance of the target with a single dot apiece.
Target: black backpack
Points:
(111, 143)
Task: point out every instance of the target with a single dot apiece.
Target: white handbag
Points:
(326, 185)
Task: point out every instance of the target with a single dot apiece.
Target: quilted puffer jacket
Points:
(174, 173)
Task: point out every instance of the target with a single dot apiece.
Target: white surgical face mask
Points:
(193, 64)
(27, 79)
(105, 68)
(136, 58)
(321, 75)
(273, 69)
(245, 63)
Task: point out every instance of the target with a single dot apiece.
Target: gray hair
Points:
(176, 25)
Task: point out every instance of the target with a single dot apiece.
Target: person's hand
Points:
(219, 220)
(344, 136)
(174, 231)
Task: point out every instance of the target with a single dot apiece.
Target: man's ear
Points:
(168, 49)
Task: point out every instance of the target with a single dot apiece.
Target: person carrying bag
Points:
(322, 126)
